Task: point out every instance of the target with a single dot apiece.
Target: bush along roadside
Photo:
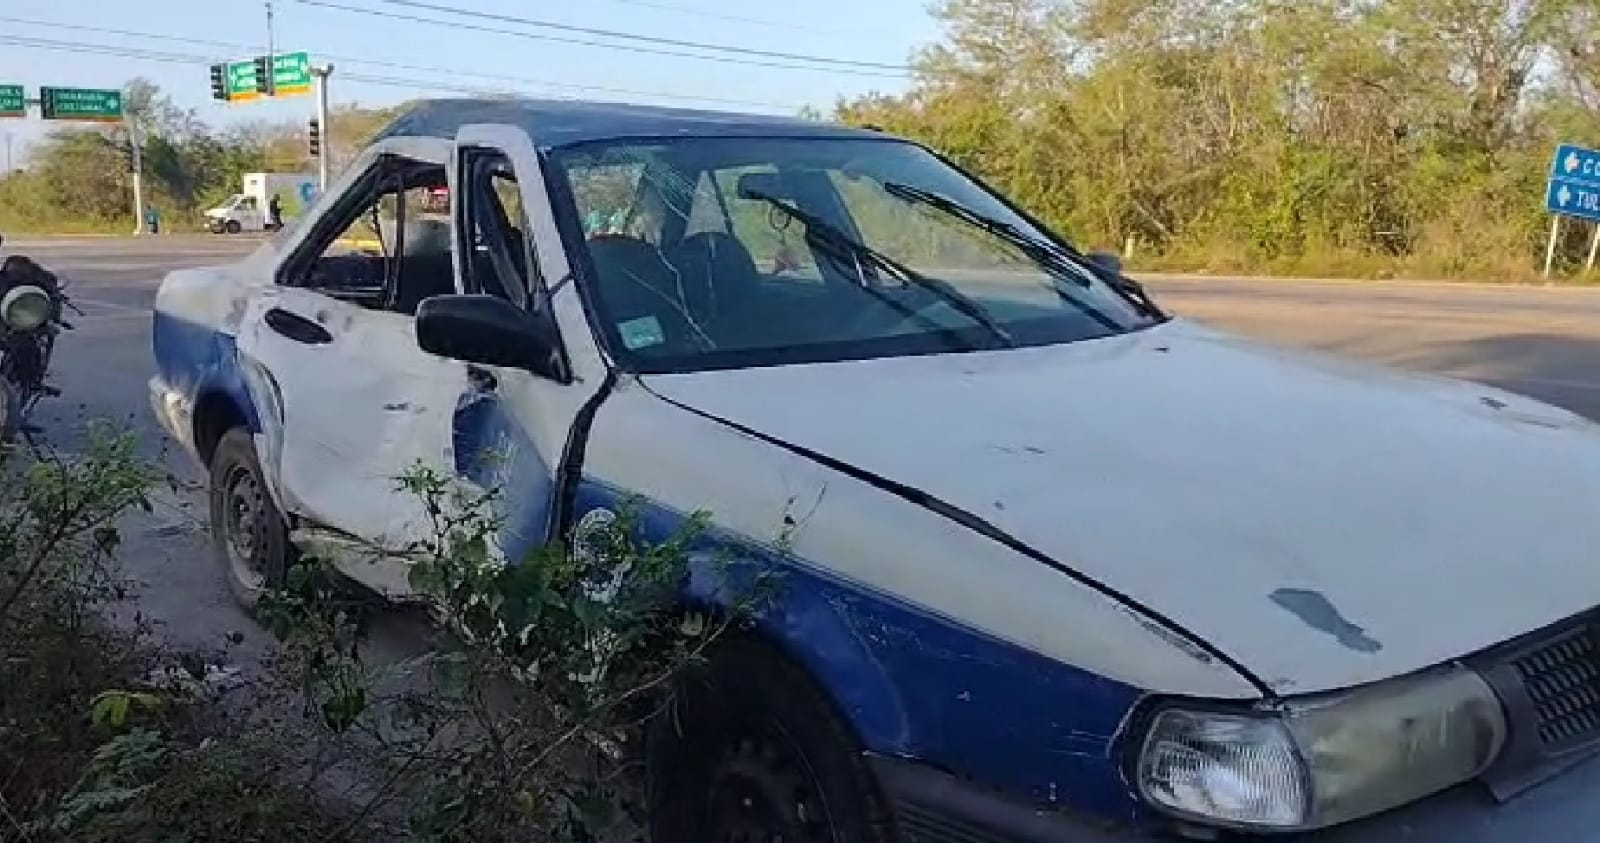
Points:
(524, 721)
(102, 736)
(522, 717)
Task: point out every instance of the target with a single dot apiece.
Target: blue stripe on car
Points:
(197, 360)
(916, 685)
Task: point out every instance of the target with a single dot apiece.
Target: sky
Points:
(376, 54)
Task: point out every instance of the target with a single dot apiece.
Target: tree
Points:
(1407, 134)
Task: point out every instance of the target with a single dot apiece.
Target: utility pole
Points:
(265, 85)
(9, 168)
(136, 163)
(321, 74)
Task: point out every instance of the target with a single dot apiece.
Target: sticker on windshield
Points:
(641, 333)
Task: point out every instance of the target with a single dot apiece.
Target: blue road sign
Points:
(1574, 188)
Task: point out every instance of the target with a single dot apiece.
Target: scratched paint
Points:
(491, 449)
(917, 685)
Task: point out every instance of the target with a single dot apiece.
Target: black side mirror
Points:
(489, 330)
(1107, 263)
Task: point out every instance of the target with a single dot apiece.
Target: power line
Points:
(701, 13)
(633, 36)
(242, 48)
(426, 84)
(583, 42)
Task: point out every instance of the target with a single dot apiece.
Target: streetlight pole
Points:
(321, 74)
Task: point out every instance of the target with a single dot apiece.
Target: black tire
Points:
(232, 227)
(249, 538)
(752, 750)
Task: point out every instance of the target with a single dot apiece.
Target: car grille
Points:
(1562, 680)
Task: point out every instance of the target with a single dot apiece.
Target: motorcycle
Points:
(32, 300)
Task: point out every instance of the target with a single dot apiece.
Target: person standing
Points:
(275, 213)
(152, 219)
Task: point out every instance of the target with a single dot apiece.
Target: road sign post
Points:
(1573, 191)
(1550, 248)
(13, 101)
(95, 105)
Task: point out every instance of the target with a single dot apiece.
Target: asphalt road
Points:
(1543, 342)
(1540, 341)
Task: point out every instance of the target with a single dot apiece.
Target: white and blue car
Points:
(1059, 566)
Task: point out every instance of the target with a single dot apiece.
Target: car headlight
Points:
(1322, 760)
(25, 307)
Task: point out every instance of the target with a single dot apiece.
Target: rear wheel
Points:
(754, 752)
(249, 537)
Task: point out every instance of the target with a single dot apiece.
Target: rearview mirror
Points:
(1106, 262)
(489, 330)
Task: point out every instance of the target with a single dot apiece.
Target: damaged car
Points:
(1063, 567)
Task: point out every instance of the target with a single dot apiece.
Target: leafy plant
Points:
(523, 723)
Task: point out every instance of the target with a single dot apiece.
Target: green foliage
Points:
(92, 748)
(143, 786)
(520, 726)
(1399, 136)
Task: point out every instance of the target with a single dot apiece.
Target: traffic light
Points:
(314, 138)
(264, 75)
(219, 82)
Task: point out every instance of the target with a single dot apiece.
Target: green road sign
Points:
(13, 103)
(291, 75)
(92, 104)
(242, 81)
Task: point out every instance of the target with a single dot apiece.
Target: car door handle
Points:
(297, 327)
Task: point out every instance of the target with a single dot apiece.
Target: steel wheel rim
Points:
(764, 791)
(244, 520)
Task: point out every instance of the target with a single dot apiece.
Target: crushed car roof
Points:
(555, 123)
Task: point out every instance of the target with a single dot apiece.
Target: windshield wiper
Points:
(1061, 262)
(825, 234)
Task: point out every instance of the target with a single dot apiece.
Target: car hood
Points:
(1324, 522)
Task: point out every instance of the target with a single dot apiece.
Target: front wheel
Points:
(232, 227)
(753, 751)
(249, 538)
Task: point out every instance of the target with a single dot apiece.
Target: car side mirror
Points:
(478, 328)
(1107, 263)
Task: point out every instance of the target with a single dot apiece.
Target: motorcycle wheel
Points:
(10, 412)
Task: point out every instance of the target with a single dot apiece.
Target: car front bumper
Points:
(931, 806)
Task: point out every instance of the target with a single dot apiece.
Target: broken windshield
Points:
(695, 263)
